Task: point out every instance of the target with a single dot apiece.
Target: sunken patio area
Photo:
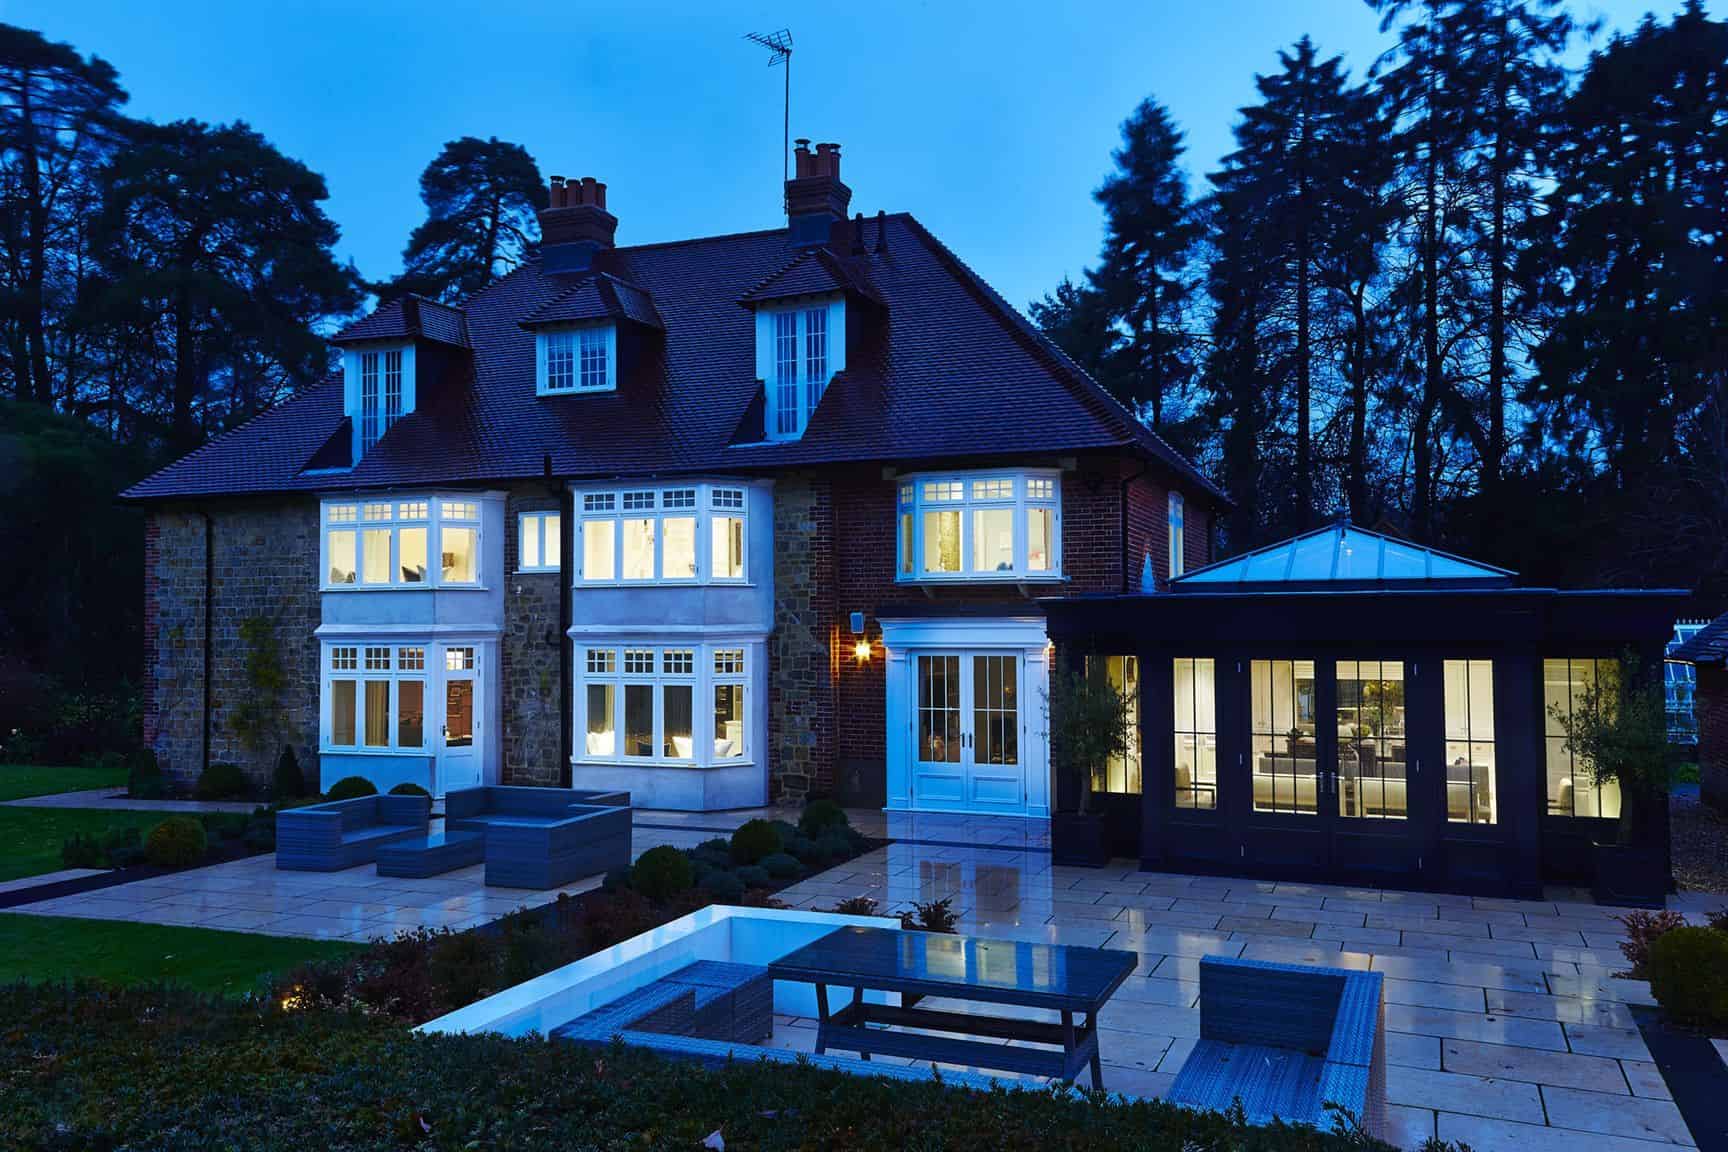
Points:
(1506, 1024)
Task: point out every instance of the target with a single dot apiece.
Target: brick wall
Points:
(531, 653)
(835, 554)
(264, 574)
(1711, 706)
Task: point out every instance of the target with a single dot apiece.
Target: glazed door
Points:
(1381, 814)
(966, 732)
(459, 746)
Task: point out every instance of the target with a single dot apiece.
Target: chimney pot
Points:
(599, 195)
(575, 224)
(816, 200)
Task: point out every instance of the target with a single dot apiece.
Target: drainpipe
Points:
(209, 623)
(566, 576)
(1122, 509)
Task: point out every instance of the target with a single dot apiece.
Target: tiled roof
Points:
(408, 317)
(1709, 646)
(944, 369)
(814, 272)
(597, 297)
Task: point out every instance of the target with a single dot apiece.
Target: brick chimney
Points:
(815, 198)
(574, 225)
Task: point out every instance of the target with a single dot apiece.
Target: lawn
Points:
(30, 838)
(37, 948)
(20, 780)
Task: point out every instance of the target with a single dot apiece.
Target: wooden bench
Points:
(417, 857)
(1287, 1040)
(340, 834)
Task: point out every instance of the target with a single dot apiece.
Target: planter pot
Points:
(1630, 875)
(1078, 840)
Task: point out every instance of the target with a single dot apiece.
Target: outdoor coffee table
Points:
(1067, 980)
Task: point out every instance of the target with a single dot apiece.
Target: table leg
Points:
(1068, 1045)
(858, 999)
(821, 1018)
(1097, 1056)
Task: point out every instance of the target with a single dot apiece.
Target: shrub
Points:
(80, 850)
(754, 876)
(857, 906)
(1642, 930)
(781, 866)
(463, 966)
(123, 847)
(802, 848)
(260, 835)
(220, 782)
(352, 788)
(287, 782)
(753, 840)
(616, 880)
(1718, 918)
(820, 815)
(144, 776)
(1688, 972)
(177, 842)
(935, 916)
(725, 887)
(661, 872)
(409, 788)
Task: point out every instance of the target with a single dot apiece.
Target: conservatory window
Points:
(979, 527)
(1121, 774)
(1282, 728)
(1470, 776)
(1196, 733)
(1571, 789)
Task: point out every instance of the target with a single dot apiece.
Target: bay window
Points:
(638, 703)
(376, 696)
(385, 543)
(690, 533)
(979, 526)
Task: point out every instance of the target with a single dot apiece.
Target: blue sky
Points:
(993, 122)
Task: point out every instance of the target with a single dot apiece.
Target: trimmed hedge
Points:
(662, 872)
(352, 788)
(220, 782)
(409, 788)
(245, 1075)
(753, 840)
(177, 842)
(1688, 973)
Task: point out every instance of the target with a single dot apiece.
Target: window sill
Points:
(528, 572)
(985, 578)
(678, 585)
(404, 587)
(645, 762)
(339, 750)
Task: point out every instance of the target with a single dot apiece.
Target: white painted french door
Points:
(459, 745)
(966, 732)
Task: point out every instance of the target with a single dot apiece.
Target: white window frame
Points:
(534, 525)
(923, 492)
(704, 676)
(793, 386)
(349, 515)
(584, 340)
(711, 503)
(1176, 519)
(389, 370)
(396, 671)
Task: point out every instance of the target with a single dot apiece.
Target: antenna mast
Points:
(779, 45)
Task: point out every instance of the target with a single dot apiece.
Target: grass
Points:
(53, 948)
(20, 780)
(30, 838)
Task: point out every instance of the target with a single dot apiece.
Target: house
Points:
(1705, 654)
(1347, 707)
(731, 519)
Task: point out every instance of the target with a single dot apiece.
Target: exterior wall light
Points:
(861, 651)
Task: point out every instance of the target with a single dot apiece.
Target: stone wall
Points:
(531, 653)
(801, 657)
(1710, 703)
(263, 581)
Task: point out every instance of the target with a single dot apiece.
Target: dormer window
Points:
(573, 360)
(799, 349)
(379, 387)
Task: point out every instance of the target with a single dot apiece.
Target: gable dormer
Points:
(382, 363)
(577, 334)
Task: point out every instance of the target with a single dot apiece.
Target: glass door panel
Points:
(1372, 750)
(1283, 725)
(992, 746)
(459, 749)
(939, 777)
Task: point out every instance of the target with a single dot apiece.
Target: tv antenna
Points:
(779, 45)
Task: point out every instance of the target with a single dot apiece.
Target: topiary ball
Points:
(754, 840)
(177, 842)
(351, 788)
(781, 866)
(219, 782)
(1688, 971)
(754, 876)
(723, 886)
(820, 815)
(662, 872)
(409, 788)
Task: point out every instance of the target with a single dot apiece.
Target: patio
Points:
(1505, 1022)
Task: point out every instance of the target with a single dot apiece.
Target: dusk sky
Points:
(992, 122)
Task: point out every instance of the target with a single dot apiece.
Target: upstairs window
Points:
(575, 360)
(801, 360)
(385, 543)
(539, 544)
(1175, 529)
(680, 534)
(380, 391)
(980, 526)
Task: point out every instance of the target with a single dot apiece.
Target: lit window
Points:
(1284, 719)
(458, 659)
(1371, 750)
(375, 697)
(1121, 774)
(539, 542)
(643, 707)
(1196, 732)
(1470, 762)
(578, 360)
(386, 544)
(678, 535)
(1175, 528)
(971, 527)
(801, 362)
(1572, 791)
(458, 558)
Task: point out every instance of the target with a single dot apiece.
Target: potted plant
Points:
(1087, 729)
(1618, 732)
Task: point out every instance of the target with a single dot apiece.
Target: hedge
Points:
(158, 1068)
